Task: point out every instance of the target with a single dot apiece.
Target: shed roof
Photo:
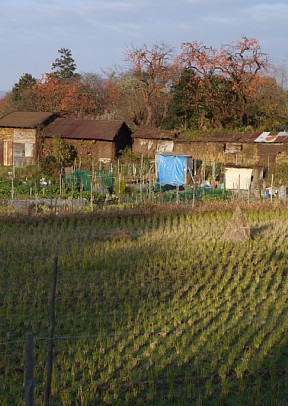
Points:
(227, 137)
(176, 154)
(154, 133)
(249, 137)
(85, 129)
(271, 137)
(237, 166)
(25, 119)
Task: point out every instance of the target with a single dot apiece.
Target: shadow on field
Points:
(145, 318)
(256, 231)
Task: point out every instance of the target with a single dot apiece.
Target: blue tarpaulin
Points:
(171, 169)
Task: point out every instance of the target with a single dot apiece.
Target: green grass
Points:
(150, 309)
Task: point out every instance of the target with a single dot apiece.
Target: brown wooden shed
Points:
(253, 148)
(149, 141)
(19, 135)
(100, 140)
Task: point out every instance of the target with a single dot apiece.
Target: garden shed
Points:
(243, 177)
(250, 148)
(99, 140)
(148, 141)
(19, 135)
(173, 169)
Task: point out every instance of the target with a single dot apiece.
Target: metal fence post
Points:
(29, 365)
(51, 334)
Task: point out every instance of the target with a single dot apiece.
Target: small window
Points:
(28, 150)
(18, 150)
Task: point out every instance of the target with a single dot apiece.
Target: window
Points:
(18, 150)
(23, 153)
(29, 150)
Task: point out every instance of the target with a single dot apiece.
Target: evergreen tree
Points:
(183, 104)
(25, 83)
(64, 66)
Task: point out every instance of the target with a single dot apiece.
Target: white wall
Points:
(238, 178)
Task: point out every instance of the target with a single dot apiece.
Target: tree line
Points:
(198, 88)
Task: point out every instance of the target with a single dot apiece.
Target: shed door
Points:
(1, 152)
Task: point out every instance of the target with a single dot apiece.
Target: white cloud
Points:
(255, 14)
(119, 27)
(116, 5)
(219, 20)
(105, 26)
(266, 12)
(197, 1)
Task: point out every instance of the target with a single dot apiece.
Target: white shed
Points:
(243, 177)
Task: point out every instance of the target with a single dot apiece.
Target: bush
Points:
(50, 166)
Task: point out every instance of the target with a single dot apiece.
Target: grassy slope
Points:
(153, 308)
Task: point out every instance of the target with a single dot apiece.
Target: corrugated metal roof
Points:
(154, 133)
(256, 136)
(85, 129)
(268, 136)
(23, 119)
(227, 137)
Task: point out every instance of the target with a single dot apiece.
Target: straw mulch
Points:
(237, 229)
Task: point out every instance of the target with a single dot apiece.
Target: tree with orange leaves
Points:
(239, 68)
(75, 97)
(153, 68)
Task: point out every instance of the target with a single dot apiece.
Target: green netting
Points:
(104, 177)
(82, 179)
(78, 179)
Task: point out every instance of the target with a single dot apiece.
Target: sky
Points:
(99, 32)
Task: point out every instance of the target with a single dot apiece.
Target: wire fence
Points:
(109, 339)
(178, 377)
(159, 331)
(128, 184)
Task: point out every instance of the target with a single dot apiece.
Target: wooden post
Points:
(51, 334)
(12, 188)
(36, 205)
(213, 172)
(51, 200)
(195, 167)
(91, 192)
(29, 365)
(81, 193)
(60, 182)
(271, 190)
(141, 175)
(149, 190)
(118, 168)
(204, 169)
